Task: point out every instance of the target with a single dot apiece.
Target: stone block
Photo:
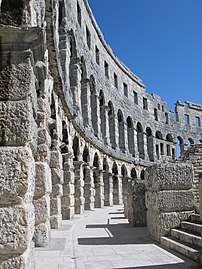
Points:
(169, 176)
(42, 154)
(43, 179)
(16, 123)
(57, 190)
(43, 137)
(67, 201)
(17, 228)
(16, 175)
(68, 177)
(55, 204)
(42, 234)
(55, 159)
(68, 189)
(55, 221)
(42, 209)
(56, 176)
(15, 81)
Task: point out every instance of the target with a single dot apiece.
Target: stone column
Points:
(99, 188)
(17, 165)
(68, 187)
(75, 78)
(108, 189)
(125, 193)
(79, 199)
(57, 191)
(89, 193)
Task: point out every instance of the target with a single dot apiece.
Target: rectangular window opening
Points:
(145, 105)
(155, 114)
(166, 115)
(125, 89)
(115, 80)
(135, 97)
(78, 14)
(186, 119)
(106, 66)
(97, 55)
(197, 121)
(88, 38)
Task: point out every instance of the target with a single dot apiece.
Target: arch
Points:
(168, 146)
(150, 144)
(12, 10)
(96, 161)
(102, 115)
(111, 124)
(84, 92)
(72, 44)
(105, 165)
(86, 156)
(180, 146)
(169, 138)
(130, 133)
(140, 140)
(133, 173)
(121, 131)
(75, 148)
(142, 174)
(159, 135)
(124, 171)
(93, 106)
(190, 141)
(114, 169)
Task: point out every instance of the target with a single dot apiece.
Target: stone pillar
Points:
(105, 121)
(99, 188)
(43, 185)
(68, 187)
(17, 165)
(79, 199)
(108, 189)
(89, 193)
(125, 193)
(75, 78)
(135, 144)
(136, 209)
(117, 190)
(169, 196)
(57, 191)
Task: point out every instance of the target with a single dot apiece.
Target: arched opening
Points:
(111, 125)
(140, 141)
(65, 139)
(124, 174)
(115, 184)
(150, 144)
(180, 146)
(75, 148)
(121, 131)
(86, 156)
(133, 174)
(169, 140)
(159, 144)
(93, 106)
(102, 116)
(190, 142)
(130, 132)
(11, 12)
(84, 93)
(142, 174)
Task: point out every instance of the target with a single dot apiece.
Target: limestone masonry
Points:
(78, 130)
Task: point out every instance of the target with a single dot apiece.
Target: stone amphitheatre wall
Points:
(75, 123)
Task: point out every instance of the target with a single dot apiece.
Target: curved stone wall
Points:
(75, 124)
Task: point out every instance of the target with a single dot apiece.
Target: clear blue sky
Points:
(159, 40)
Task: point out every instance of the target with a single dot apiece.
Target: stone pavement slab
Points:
(103, 239)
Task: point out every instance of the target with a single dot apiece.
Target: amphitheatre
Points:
(79, 131)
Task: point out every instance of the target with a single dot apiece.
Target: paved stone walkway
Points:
(103, 239)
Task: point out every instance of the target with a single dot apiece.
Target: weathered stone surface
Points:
(15, 81)
(43, 179)
(16, 122)
(16, 175)
(55, 159)
(42, 209)
(169, 176)
(56, 176)
(42, 234)
(17, 228)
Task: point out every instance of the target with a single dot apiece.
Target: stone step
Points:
(186, 237)
(182, 248)
(196, 228)
(196, 218)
